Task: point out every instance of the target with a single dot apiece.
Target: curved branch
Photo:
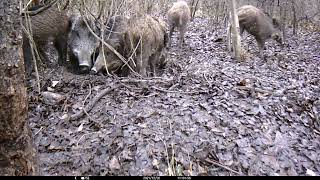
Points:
(89, 106)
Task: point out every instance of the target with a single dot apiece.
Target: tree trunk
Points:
(194, 8)
(235, 30)
(17, 155)
(295, 26)
(217, 14)
(283, 12)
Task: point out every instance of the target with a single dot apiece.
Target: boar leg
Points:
(145, 63)
(261, 47)
(153, 63)
(28, 62)
(241, 30)
(142, 62)
(42, 48)
(162, 58)
(61, 46)
(182, 32)
(170, 35)
(139, 63)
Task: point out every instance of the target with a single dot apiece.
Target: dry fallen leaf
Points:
(311, 173)
(51, 98)
(114, 164)
(80, 127)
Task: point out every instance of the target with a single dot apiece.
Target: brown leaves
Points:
(207, 115)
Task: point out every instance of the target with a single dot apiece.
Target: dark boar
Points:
(83, 45)
(258, 24)
(48, 25)
(142, 40)
(179, 16)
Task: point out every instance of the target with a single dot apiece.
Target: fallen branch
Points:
(179, 92)
(89, 106)
(150, 80)
(222, 166)
(254, 89)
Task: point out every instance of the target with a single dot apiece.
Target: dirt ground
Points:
(206, 115)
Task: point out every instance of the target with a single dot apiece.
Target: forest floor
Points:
(207, 114)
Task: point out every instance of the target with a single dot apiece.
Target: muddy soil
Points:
(206, 115)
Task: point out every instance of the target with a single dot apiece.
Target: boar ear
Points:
(276, 22)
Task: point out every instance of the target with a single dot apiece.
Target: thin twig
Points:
(33, 48)
(38, 131)
(222, 166)
(153, 80)
(89, 94)
(178, 92)
(168, 161)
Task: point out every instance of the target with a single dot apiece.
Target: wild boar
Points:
(179, 16)
(259, 25)
(48, 25)
(142, 41)
(83, 45)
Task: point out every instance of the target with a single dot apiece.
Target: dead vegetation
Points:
(204, 115)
